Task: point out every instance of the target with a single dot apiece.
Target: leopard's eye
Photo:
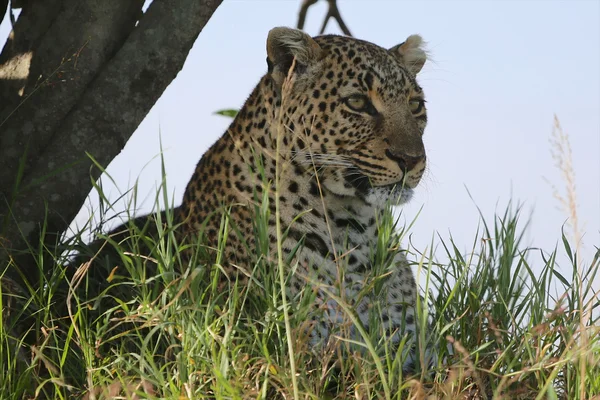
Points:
(356, 102)
(415, 105)
(360, 103)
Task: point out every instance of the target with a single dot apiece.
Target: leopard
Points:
(330, 137)
(337, 124)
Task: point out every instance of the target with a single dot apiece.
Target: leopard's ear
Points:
(286, 44)
(411, 53)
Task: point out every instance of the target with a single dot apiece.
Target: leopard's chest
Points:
(333, 248)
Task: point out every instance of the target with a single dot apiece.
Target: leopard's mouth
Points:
(400, 195)
(395, 193)
(363, 183)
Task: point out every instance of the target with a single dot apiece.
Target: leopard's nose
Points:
(406, 162)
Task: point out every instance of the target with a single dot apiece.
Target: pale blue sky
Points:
(500, 70)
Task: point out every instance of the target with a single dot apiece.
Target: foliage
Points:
(228, 112)
(152, 326)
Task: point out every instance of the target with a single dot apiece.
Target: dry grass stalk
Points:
(563, 156)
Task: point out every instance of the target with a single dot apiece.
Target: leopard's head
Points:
(353, 111)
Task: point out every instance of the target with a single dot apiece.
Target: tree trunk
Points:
(77, 77)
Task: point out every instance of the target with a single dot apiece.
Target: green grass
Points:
(518, 327)
(147, 324)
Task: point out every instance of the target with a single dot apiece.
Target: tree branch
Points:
(332, 11)
(3, 8)
(303, 10)
(59, 47)
(104, 117)
(17, 55)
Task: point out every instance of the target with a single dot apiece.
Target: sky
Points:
(499, 72)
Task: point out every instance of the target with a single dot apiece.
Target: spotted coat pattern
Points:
(338, 122)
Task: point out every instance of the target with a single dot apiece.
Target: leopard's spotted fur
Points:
(345, 118)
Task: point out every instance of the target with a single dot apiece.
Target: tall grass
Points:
(143, 324)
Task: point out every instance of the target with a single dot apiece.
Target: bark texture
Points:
(77, 77)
